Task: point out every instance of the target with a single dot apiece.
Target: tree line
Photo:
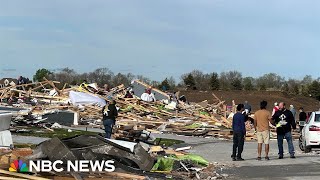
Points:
(101, 76)
(233, 80)
(195, 80)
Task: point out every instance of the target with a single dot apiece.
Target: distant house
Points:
(5, 82)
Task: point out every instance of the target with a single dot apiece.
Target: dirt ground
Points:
(254, 98)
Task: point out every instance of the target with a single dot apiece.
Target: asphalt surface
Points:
(305, 166)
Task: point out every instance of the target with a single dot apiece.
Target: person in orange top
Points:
(261, 125)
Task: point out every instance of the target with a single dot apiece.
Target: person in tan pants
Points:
(261, 125)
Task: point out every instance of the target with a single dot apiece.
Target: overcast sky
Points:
(161, 38)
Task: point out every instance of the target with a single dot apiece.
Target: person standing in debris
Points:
(23, 80)
(302, 118)
(110, 113)
(261, 126)
(148, 96)
(128, 94)
(293, 111)
(145, 96)
(239, 133)
(284, 122)
(275, 108)
(247, 107)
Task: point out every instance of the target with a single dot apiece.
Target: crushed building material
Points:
(39, 104)
(83, 107)
(128, 157)
(77, 147)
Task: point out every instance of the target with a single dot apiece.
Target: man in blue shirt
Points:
(239, 133)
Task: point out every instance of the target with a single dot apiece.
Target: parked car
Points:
(310, 134)
(302, 123)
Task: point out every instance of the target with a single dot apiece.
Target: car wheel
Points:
(307, 149)
(301, 143)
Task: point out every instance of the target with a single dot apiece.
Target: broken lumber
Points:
(21, 175)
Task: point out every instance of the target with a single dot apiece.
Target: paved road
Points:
(305, 166)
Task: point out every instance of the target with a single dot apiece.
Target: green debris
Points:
(166, 164)
(195, 159)
(161, 107)
(127, 109)
(205, 113)
(194, 126)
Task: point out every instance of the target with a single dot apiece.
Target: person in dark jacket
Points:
(239, 133)
(284, 122)
(128, 95)
(110, 113)
(302, 118)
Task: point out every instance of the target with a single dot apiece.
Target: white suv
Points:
(310, 134)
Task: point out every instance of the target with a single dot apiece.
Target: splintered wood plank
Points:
(52, 85)
(40, 86)
(153, 89)
(21, 175)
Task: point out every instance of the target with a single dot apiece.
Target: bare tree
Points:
(155, 83)
(82, 77)
(171, 82)
(121, 79)
(231, 80)
(271, 81)
(144, 79)
(293, 86)
(66, 75)
(130, 77)
(224, 83)
(307, 80)
(101, 76)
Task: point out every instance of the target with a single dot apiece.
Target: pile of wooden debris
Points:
(168, 114)
(41, 98)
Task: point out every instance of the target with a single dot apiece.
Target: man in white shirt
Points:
(148, 96)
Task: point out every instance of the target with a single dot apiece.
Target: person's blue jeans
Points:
(108, 125)
(288, 137)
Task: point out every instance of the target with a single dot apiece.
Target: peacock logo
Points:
(18, 166)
